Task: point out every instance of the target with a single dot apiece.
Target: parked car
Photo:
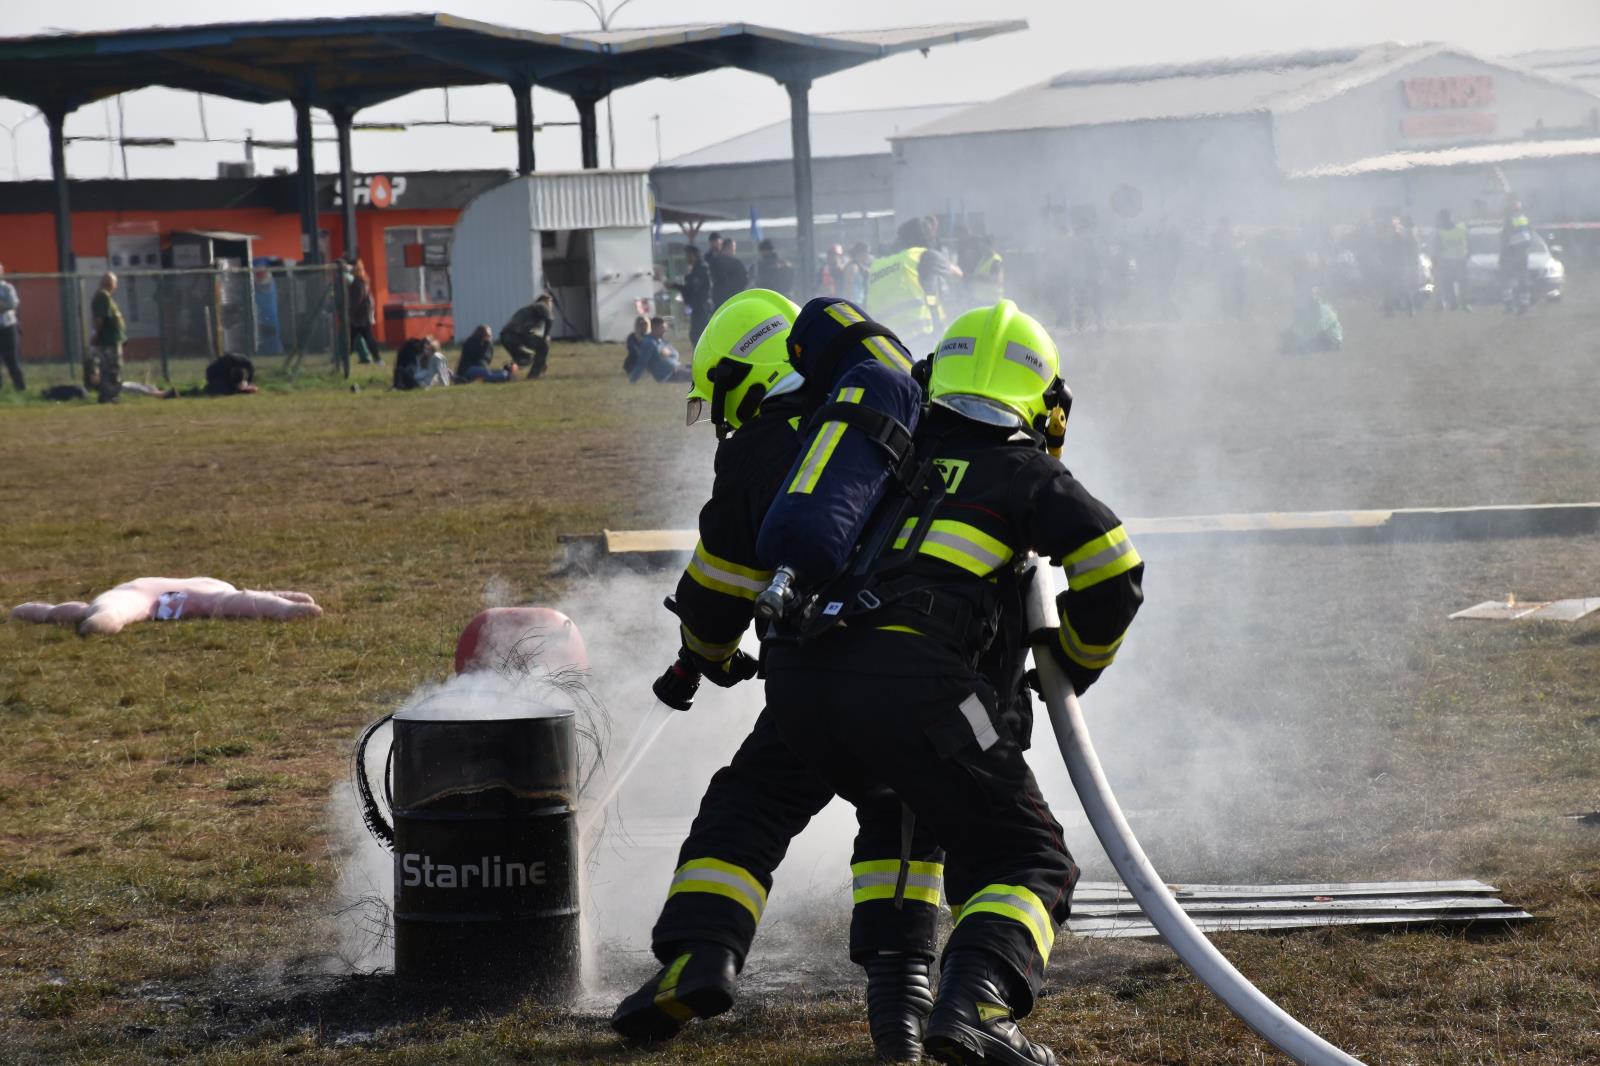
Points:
(1547, 276)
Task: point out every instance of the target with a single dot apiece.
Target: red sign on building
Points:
(1432, 94)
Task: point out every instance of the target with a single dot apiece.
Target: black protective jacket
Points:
(717, 592)
(956, 605)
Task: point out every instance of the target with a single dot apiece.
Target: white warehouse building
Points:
(1236, 138)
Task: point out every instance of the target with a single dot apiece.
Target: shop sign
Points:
(1436, 94)
(374, 190)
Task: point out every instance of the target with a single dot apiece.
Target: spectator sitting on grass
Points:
(656, 357)
(641, 330)
(229, 375)
(1315, 327)
(418, 365)
(526, 338)
(477, 358)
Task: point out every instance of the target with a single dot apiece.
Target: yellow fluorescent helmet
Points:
(996, 364)
(742, 354)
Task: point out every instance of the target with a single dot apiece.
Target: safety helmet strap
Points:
(725, 377)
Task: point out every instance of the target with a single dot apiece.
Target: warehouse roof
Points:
(359, 61)
(1581, 65)
(1471, 155)
(1264, 84)
(834, 134)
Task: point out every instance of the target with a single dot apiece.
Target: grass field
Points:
(164, 793)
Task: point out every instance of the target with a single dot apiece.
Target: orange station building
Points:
(404, 226)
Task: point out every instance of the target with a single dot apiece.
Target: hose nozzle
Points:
(776, 599)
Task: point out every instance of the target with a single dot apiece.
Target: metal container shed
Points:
(583, 236)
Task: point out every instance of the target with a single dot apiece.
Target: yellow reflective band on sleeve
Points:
(1020, 905)
(959, 544)
(705, 649)
(1088, 656)
(877, 879)
(843, 314)
(728, 578)
(717, 878)
(1101, 560)
(901, 629)
(822, 448)
(667, 991)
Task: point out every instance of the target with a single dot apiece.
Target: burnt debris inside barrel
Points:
(486, 846)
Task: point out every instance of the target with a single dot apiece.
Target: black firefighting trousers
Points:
(938, 743)
(753, 807)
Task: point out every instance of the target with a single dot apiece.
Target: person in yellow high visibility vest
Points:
(1450, 263)
(903, 288)
(986, 285)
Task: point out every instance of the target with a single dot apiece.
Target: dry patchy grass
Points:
(163, 794)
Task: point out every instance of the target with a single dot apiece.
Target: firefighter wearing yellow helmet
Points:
(921, 691)
(742, 358)
(746, 383)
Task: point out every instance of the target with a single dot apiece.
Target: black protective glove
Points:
(1078, 676)
(726, 674)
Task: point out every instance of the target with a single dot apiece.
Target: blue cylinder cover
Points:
(841, 472)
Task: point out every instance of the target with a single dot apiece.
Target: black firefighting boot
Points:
(697, 983)
(971, 1021)
(899, 998)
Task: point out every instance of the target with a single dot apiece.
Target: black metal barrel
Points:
(486, 848)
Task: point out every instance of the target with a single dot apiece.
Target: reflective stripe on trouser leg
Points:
(877, 880)
(1018, 904)
(717, 878)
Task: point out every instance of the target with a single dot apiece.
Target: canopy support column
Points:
(342, 117)
(522, 91)
(306, 182)
(56, 119)
(588, 131)
(804, 213)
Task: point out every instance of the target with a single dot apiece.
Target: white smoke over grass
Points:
(632, 846)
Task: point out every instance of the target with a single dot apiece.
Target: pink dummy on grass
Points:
(167, 599)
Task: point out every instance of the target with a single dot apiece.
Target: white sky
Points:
(1063, 35)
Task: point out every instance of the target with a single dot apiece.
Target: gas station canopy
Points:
(342, 65)
(356, 62)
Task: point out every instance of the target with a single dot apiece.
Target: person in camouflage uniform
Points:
(102, 366)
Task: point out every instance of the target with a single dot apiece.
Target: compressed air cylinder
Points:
(841, 474)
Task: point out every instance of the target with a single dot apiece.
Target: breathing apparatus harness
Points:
(778, 600)
(872, 584)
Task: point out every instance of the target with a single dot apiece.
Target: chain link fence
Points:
(291, 312)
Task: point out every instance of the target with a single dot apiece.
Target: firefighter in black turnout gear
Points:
(894, 696)
(746, 382)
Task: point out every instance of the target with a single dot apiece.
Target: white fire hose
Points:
(1269, 1020)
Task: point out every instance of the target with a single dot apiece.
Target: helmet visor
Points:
(697, 411)
(981, 409)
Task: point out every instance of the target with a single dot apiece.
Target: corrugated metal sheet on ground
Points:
(1107, 910)
(1537, 610)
